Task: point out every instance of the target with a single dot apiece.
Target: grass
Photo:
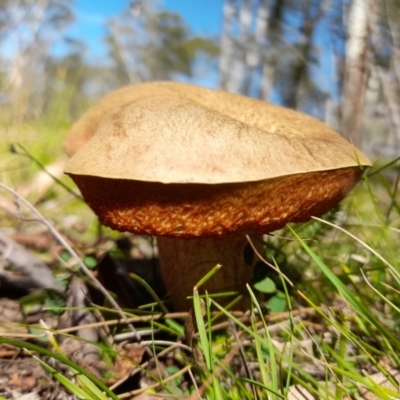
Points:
(338, 279)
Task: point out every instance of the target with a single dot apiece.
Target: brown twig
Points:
(70, 250)
(270, 318)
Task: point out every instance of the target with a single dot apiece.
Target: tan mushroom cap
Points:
(171, 139)
(251, 112)
(198, 162)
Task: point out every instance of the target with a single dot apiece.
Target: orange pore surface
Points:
(201, 210)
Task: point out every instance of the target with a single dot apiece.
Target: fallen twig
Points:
(71, 251)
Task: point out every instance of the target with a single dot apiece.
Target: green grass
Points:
(338, 276)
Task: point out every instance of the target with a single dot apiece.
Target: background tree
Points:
(144, 43)
(27, 30)
(153, 44)
(384, 78)
(337, 60)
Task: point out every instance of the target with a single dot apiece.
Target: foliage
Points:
(349, 283)
(338, 62)
(154, 46)
(328, 321)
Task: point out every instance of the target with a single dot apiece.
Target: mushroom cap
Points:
(217, 138)
(159, 158)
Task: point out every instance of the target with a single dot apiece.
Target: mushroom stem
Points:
(184, 262)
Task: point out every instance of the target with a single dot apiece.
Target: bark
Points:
(244, 63)
(394, 30)
(261, 47)
(388, 76)
(331, 113)
(337, 38)
(270, 51)
(262, 18)
(391, 92)
(355, 71)
(227, 47)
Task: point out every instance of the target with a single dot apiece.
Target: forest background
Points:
(338, 60)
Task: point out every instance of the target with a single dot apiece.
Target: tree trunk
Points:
(355, 71)
(227, 47)
(299, 74)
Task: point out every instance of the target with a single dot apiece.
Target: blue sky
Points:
(204, 18)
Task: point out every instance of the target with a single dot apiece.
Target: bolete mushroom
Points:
(200, 168)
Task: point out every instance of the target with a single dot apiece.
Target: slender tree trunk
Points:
(247, 46)
(395, 34)
(263, 13)
(389, 76)
(331, 113)
(337, 38)
(300, 68)
(355, 71)
(270, 52)
(391, 92)
(122, 56)
(227, 47)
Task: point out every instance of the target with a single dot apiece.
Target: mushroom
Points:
(200, 168)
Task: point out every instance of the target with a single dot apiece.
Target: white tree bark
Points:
(263, 14)
(241, 68)
(388, 76)
(355, 70)
(227, 47)
(244, 45)
(391, 92)
(25, 43)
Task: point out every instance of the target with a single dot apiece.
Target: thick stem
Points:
(184, 262)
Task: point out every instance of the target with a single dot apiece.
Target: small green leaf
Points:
(55, 301)
(173, 389)
(90, 261)
(65, 256)
(267, 285)
(171, 370)
(36, 331)
(265, 351)
(277, 303)
(75, 268)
